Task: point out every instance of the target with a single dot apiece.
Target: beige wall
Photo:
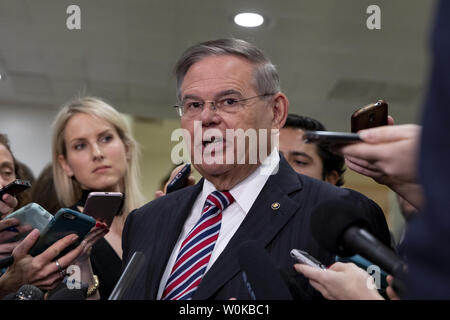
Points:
(154, 138)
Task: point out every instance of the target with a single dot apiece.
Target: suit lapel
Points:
(271, 211)
(176, 216)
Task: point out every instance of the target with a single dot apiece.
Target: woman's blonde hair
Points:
(68, 189)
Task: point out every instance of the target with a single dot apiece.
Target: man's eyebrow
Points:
(226, 93)
(191, 96)
(299, 153)
(216, 96)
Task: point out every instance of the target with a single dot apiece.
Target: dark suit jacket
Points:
(155, 227)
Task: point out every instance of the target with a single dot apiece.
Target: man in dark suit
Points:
(192, 248)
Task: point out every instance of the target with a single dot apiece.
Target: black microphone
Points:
(68, 294)
(26, 292)
(341, 229)
(63, 292)
(128, 276)
(260, 275)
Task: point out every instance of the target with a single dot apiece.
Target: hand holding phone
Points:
(65, 222)
(33, 215)
(180, 180)
(304, 257)
(370, 116)
(103, 206)
(15, 187)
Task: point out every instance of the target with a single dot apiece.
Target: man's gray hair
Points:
(265, 77)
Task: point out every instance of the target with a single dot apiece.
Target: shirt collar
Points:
(246, 192)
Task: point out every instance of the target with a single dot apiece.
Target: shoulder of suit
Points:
(158, 205)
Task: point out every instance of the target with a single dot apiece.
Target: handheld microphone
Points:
(129, 274)
(260, 275)
(62, 292)
(26, 292)
(68, 294)
(346, 232)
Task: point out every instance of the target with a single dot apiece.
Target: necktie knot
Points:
(219, 199)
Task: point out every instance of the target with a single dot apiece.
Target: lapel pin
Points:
(275, 206)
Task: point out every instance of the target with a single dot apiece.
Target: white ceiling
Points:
(329, 62)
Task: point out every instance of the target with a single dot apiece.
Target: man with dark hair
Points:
(314, 160)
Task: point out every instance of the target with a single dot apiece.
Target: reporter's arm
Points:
(40, 271)
(84, 262)
(342, 281)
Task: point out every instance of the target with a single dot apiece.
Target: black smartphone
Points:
(65, 222)
(103, 206)
(180, 180)
(15, 187)
(370, 116)
(330, 137)
(305, 258)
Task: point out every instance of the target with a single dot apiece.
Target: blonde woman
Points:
(93, 150)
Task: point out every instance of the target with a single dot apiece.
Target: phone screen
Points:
(305, 258)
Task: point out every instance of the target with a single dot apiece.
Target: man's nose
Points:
(209, 114)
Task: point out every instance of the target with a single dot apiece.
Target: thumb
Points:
(159, 194)
(389, 133)
(22, 249)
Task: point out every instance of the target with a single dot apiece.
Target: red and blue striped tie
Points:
(196, 249)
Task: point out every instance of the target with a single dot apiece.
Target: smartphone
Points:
(305, 258)
(103, 206)
(370, 116)
(330, 137)
(15, 187)
(65, 222)
(32, 214)
(180, 180)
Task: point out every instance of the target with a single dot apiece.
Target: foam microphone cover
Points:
(264, 279)
(26, 292)
(329, 221)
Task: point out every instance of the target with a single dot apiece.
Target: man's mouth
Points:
(213, 141)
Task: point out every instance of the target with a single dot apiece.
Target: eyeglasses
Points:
(192, 108)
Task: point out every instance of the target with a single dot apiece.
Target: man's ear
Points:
(332, 177)
(280, 110)
(65, 166)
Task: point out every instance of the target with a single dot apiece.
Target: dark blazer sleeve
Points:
(126, 256)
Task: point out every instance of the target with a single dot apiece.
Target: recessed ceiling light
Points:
(248, 19)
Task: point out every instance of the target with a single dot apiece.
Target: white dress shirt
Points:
(244, 193)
